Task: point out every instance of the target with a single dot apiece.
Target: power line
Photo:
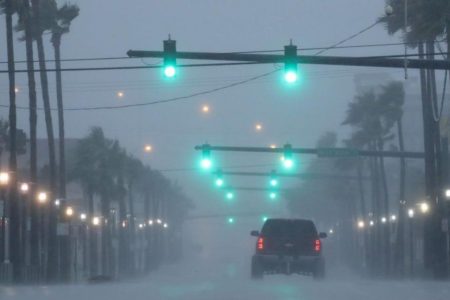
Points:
(156, 101)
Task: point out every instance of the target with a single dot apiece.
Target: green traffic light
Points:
(206, 163)
(230, 220)
(219, 182)
(229, 195)
(290, 76)
(264, 218)
(288, 163)
(273, 195)
(287, 158)
(273, 182)
(169, 71)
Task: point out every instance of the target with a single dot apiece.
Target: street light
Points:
(120, 94)
(83, 217)
(24, 187)
(371, 223)
(447, 194)
(393, 218)
(165, 225)
(69, 211)
(4, 178)
(205, 109)
(411, 213)
(424, 207)
(42, 197)
(148, 148)
(158, 221)
(361, 224)
(57, 202)
(331, 231)
(258, 127)
(96, 221)
(383, 220)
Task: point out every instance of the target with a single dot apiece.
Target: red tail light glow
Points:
(260, 244)
(317, 245)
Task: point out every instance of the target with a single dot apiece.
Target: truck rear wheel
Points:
(319, 270)
(257, 271)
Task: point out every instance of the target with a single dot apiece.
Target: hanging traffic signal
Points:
(273, 179)
(206, 161)
(170, 60)
(287, 159)
(219, 179)
(290, 63)
(229, 195)
(273, 195)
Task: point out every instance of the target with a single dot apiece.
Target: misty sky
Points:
(299, 115)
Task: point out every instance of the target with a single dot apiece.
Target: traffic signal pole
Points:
(303, 176)
(301, 59)
(321, 152)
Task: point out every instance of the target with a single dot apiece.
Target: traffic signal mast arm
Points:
(301, 59)
(340, 152)
(295, 175)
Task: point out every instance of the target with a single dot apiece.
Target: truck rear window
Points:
(303, 229)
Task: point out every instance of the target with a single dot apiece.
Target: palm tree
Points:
(366, 115)
(392, 97)
(133, 170)
(43, 12)
(9, 7)
(86, 169)
(64, 17)
(25, 23)
(428, 20)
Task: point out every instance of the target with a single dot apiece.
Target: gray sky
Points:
(298, 116)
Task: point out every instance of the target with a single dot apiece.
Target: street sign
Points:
(337, 152)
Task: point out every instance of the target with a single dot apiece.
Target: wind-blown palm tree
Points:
(392, 97)
(9, 8)
(25, 24)
(43, 12)
(64, 17)
(428, 20)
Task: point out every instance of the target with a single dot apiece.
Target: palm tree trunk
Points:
(106, 236)
(400, 247)
(93, 262)
(386, 231)
(62, 160)
(52, 238)
(131, 229)
(362, 199)
(32, 205)
(13, 204)
(123, 237)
